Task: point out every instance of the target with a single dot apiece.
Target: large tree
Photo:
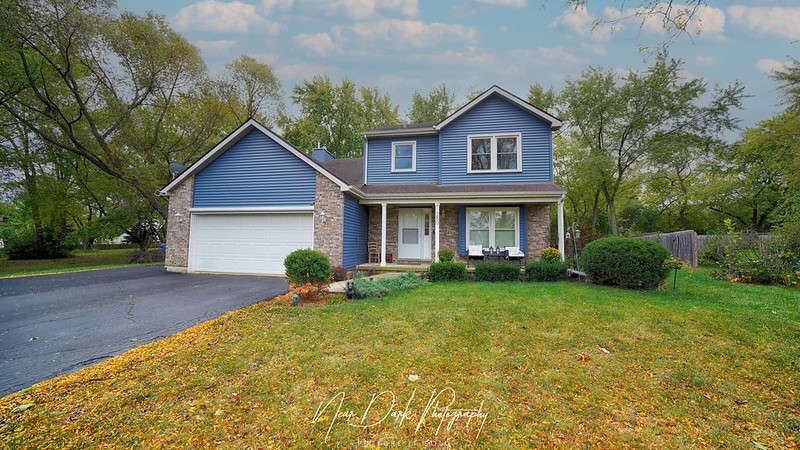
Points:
(623, 121)
(104, 86)
(252, 90)
(336, 115)
(432, 107)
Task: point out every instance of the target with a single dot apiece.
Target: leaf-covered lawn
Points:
(83, 260)
(538, 365)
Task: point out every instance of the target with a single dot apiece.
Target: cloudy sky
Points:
(405, 45)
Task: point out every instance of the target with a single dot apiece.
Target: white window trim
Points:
(413, 145)
(493, 157)
(491, 211)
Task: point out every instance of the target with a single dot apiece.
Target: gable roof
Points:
(555, 122)
(235, 137)
(433, 128)
(349, 170)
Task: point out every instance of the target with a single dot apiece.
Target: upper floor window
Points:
(404, 156)
(495, 153)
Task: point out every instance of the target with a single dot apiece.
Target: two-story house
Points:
(482, 176)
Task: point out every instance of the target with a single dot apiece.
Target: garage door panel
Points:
(247, 243)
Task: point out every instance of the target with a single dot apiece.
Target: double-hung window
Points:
(495, 227)
(404, 156)
(495, 153)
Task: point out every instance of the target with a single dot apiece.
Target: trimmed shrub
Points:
(551, 254)
(378, 288)
(446, 255)
(546, 271)
(307, 266)
(626, 262)
(447, 271)
(495, 272)
(47, 244)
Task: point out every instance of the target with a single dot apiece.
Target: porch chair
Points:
(475, 252)
(515, 254)
(374, 249)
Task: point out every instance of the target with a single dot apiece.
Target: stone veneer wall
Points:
(391, 228)
(538, 228)
(179, 220)
(329, 219)
(448, 229)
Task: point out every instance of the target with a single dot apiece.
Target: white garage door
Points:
(247, 243)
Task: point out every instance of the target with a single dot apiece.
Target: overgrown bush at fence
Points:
(626, 262)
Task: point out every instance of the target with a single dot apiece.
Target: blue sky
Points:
(405, 45)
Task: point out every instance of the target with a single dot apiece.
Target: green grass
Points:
(563, 365)
(83, 260)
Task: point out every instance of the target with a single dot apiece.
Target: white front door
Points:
(414, 233)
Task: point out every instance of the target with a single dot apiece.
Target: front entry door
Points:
(414, 233)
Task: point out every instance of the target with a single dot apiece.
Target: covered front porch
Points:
(407, 234)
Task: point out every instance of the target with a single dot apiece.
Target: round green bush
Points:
(446, 255)
(551, 254)
(307, 266)
(626, 262)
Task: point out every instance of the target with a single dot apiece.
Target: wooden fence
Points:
(682, 244)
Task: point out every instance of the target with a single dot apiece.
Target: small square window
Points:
(404, 156)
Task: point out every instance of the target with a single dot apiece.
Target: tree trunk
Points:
(612, 217)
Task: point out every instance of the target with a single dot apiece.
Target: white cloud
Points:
(320, 43)
(514, 3)
(222, 17)
(221, 46)
(705, 60)
(776, 21)
(468, 58)
(556, 54)
(304, 71)
(265, 58)
(705, 20)
(584, 24)
(597, 49)
(767, 66)
(364, 9)
(269, 5)
(405, 33)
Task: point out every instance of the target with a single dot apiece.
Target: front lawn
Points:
(713, 364)
(83, 260)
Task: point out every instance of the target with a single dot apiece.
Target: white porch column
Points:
(561, 227)
(436, 231)
(383, 234)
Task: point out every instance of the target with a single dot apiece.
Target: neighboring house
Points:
(484, 175)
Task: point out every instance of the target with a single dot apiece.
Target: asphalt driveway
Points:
(55, 324)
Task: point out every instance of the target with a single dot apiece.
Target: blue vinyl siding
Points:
(495, 115)
(379, 161)
(462, 227)
(256, 171)
(356, 226)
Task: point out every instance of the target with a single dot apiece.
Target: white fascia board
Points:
(253, 209)
(474, 198)
(402, 132)
(555, 123)
(233, 138)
